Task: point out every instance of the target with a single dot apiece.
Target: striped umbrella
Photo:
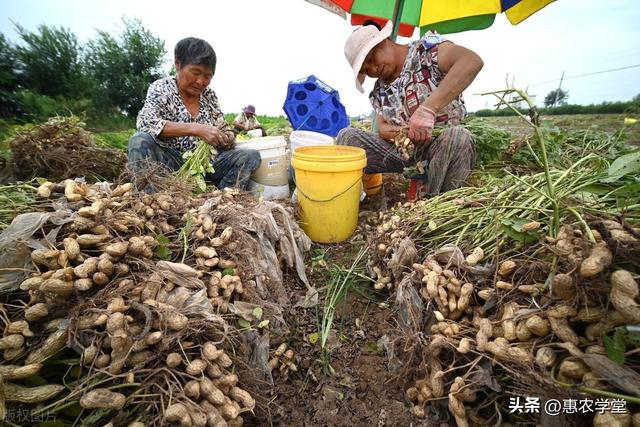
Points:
(443, 16)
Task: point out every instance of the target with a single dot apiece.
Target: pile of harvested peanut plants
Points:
(61, 148)
(104, 328)
(538, 324)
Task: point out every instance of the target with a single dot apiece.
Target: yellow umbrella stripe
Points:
(525, 8)
(433, 11)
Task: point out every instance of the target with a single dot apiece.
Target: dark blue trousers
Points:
(233, 168)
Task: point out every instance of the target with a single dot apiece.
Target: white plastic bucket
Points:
(273, 170)
(268, 192)
(305, 138)
(254, 133)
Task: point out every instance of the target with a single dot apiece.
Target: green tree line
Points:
(49, 72)
(629, 107)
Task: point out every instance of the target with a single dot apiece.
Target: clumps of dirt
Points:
(61, 148)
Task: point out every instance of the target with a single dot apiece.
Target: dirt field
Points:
(595, 122)
(360, 377)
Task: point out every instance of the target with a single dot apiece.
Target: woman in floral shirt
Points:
(182, 109)
(418, 86)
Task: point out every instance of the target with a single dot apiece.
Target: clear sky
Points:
(262, 44)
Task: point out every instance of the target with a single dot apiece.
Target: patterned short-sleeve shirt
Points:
(163, 104)
(419, 77)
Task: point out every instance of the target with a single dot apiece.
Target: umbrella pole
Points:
(397, 15)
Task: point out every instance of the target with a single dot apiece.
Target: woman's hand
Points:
(211, 135)
(386, 130)
(421, 124)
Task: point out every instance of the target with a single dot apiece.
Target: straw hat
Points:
(360, 43)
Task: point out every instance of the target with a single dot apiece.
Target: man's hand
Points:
(421, 124)
(211, 135)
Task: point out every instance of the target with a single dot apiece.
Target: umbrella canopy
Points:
(313, 105)
(443, 16)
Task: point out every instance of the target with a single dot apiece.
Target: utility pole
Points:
(555, 98)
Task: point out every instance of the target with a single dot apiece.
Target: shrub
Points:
(38, 107)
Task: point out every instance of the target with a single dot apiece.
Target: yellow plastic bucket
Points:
(372, 183)
(328, 180)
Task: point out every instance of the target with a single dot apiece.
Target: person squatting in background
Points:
(246, 120)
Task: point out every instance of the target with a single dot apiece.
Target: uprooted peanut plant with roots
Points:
(116, 330)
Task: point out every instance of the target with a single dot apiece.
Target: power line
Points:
(587, 74)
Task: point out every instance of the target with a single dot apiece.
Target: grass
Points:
(273, 125)
(266, 121)
(339, 285)
(115, 139)
(7, 130)
(16, 199)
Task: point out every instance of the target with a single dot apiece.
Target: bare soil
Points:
(357, 389)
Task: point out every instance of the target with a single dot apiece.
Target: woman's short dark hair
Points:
(195, 51)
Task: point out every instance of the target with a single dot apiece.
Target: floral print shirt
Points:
(163, 104)
(420, 76)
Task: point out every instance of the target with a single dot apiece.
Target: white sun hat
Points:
(360, 43)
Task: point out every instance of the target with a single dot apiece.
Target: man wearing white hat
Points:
(418, 86)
